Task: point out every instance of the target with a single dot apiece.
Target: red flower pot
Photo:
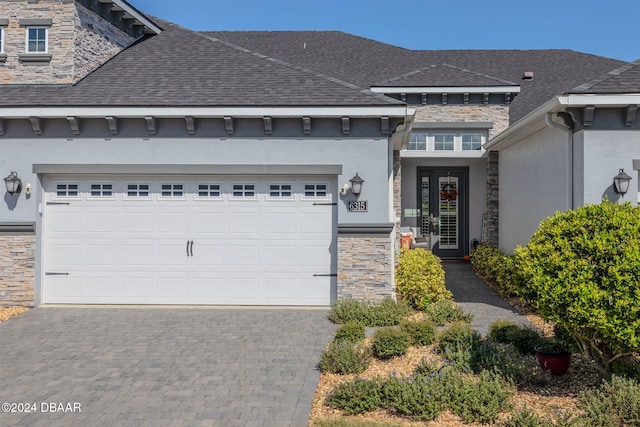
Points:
(557, 362)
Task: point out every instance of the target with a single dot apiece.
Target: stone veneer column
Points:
(365, 265)
(17, 269)
(397, 198)
(492, 200)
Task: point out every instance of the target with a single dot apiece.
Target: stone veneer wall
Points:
(79, 42)
(17, 270)
(496, 113)
(492, 199)
(365, 267)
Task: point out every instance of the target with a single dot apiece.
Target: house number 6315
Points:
(358, 206)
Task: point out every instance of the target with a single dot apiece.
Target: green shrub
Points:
(345, 357)
(504, 360)
(523, 338)
(628, 367)
(447, 311)
(350, 331)
(526, 418)
(355, 397)
(458, 336)
(420, 278)
(426, 367)
(390, 342)
(614, 403)
(419, 397)
(343, 422)
(581, 271)
(481, 400)
(496, 267)
(388, 312)
(421, 332)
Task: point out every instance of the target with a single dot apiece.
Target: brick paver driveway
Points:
(161, 366)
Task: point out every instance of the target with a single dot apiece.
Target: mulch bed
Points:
(9, 312)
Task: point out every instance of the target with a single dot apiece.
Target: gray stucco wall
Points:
(534, 184)
(366, 156)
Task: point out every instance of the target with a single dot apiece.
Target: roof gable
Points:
(439, 75)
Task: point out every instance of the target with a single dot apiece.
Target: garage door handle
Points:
(187, 248)
(191, 248)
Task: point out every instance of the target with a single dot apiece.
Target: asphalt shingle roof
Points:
(180, 67)
(444, 75)
(625, 79)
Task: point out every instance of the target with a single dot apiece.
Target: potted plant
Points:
(553, 355)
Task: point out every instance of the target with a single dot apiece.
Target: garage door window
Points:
(172, 190)
(136, 191)
(280, 191)
(315, 190)
(67, 190)
(208, 191)
(242, 191)
(101, 191)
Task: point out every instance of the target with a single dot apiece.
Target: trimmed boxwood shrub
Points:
(350, 331)
(447, 311)
(422, 332)
(390, 342)
(345, 357)
(523, 338)
(387, 312)
(581, 269)
(420, 278)
(496, 267)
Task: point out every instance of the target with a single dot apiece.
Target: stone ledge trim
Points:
(4, 22)
(35, 59)
(384, 228)
(14, 228)
(453, 125)
(35, 22)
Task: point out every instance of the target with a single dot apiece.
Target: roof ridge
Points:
(464, 70)
(603, 78)
(335, 80)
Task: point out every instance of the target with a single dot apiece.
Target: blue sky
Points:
(603, 27)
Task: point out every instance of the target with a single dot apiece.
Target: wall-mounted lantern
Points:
(355, 186)
(13, 183)
(621, 183)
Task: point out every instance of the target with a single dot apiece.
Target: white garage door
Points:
(189, 240)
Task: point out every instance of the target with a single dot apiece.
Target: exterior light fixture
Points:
(356, 185)
(13, 183)
(621, 183)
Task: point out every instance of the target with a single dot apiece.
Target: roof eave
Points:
(445, 89)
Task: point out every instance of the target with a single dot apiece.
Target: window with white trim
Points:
(138, 191)
(37, 40)
(1, 40)
(244, 190)
(280, 191)
(443, 142)
(67, 190)
(171, 190)
(206, 191)
(315, 190)
(471, 142)
(418, 141)
(100, 191)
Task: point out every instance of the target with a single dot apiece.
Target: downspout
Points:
(548, 118)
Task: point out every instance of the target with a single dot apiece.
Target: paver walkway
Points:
(162, 366)
(476, 297)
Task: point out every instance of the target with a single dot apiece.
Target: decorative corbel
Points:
(268, 125)
(403, 97)
(36, 125)
(112, 122)
(384, 125)
(485, 97)
(190, 124)
(466, 98)
(444, 99)
(74, 125)
(630, 115)
(424, 99)
(306, 125)
(151, 125)
(1, 127)
(507, 98)
(228, 125)
(346, 126)
(587, 115)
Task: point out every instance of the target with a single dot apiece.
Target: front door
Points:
(443, 210)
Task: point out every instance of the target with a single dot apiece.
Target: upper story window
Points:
(443, 142)
(37, 40)
(454, 141)
(472, 142)
(1, 40)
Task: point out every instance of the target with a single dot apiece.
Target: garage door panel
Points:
(138, 255)
(101, 255)
(65, 222)
(136, 249)
(104, 222)
(137, 222)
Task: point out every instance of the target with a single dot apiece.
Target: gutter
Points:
(400, 138)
